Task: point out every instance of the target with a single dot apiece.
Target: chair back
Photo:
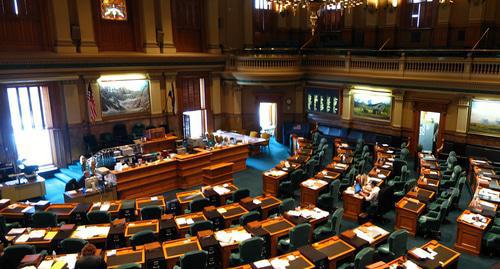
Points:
(200, 226)
(72, 245)
(197, 205)
(240, 194)
(129, 266)
(296, 177)
(443, 210)
(254, 134)
(266, 136)
(194, 260)
(404, 154)
(174, 207)
(286, 205)
(410, 184)
(44, 219)
(299, 235)
(13, 254)
(72, 184)
(315, 138)
(142, 237)
(151, 212)
(405, 174)
(98, 217)
(249, 217)
(336, 220)
(398, 242)
(334, 188)
(364, 258)
(456, 172)
(251, 249)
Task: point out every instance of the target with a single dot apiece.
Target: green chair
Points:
(193, 260)
(197, 205)
(348, 179)
(249, 217)
(328, 201)
(361, 260)
(448, 167)
(331, 228)
(151, 212)
(430, 223)
(98, 217)
(286, 205)
(311, 167)
(405, 153)
(200, 226)
(450, 180)
(407, 187)
(72, 245)
(5, 227)
(297, 237)
(238, 195)
(141, 238)
(396, 246)
(44, 219)
(13, 255)
(315, 138)
(249, 250)
(359, 147)
(287, 187)
(491, 240)
(399, 181)
(362, 154)
(436, 205)
(130, 266)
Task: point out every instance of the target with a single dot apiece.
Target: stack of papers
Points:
(105, 206)
(262, 263)
(422, 254)
(314, 184)
(37, 234)
(87, 232)
(47, 264)
(221, 210)
(27, 209)
(23, 238)
(474, 219)
(184, 221)
(257, 201)
(221, 190)
(275, 173)
(69, 259)
(232, 237)
(16, 231)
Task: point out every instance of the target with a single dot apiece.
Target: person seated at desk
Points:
(370, 193)
(81, 181)
(88, 260)
(362, 179)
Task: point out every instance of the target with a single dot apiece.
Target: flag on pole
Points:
(171, 94)
(91, 104)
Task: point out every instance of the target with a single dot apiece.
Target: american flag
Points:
(91, 104)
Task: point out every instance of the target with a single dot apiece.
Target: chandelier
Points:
(314, 7)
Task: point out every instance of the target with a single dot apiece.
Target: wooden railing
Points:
(468, 68)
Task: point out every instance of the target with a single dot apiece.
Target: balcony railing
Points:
(451, 64)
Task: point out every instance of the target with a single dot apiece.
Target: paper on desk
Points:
(37, 234)
(154, 198)
(47, 264)
(16, 231)
(180, 221)
(50, 235)
(293, 213)
(105, 207)
(3, 201)
(72, 192)
(221, 210)
(422, 254)
(23, 238)
(221, 190)
(262, 263)
(280, 263)
(189, 221)
(27, 209)
(410, 265)
(111, 252)
(69, 259)
(257, 201)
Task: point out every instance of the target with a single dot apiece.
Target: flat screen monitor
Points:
(357, 188)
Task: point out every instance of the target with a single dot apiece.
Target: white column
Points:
(463, 115)
(397, 110)
(346, 104)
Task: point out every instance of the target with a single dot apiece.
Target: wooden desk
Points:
(229, 243)
(335, 249)
(20, 192)
(112, 207)
(63, 211)
(116, 257)
(190, 168)
(401, 261)
(299, 261)
(235, 154)
(186, 197)
(380, 173)
(146, 201)
(77, 196)
(132, 228)
(423, 195)
(475, 165)
(41, 237)
(231, 213)
(407, 214)
(327, 176)
(310, 190)
(306, 216)
(266, 204)
(445, 258)
(276, 228)
(183, 222)
(433, 174)
(271, 181)
(342, 158)
(17, 211)
(300, 159)
(219, 194)
(428, 183)
(377, 235)
(92, 233)
(353, 205)
(174, 249)
(470, 235)
(146, 179)
(218, 174)
(484, 208)
(338, 167)
(158, 144)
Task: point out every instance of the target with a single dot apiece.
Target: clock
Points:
(288, 101)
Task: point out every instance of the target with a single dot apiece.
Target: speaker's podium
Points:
(218, 174)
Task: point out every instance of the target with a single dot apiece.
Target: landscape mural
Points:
(485, 117)
(372, 105)
(121, 97)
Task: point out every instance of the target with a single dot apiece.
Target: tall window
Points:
(193, 93)
(29, 124)
(115, 10)
(421, 13)
(263, 4)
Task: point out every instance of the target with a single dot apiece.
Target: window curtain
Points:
(8, 151)
(57, 124)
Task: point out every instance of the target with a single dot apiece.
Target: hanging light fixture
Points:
(314, 7)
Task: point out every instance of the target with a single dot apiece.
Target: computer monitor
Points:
(357, 188)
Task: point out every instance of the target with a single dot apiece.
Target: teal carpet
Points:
(252, 179)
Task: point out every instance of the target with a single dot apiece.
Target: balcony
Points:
(457, 68)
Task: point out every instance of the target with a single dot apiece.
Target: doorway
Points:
(28, 109)
(268, 117)
(429, 130)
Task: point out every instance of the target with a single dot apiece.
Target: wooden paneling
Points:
(114, 35)
(188, 20)
(26, 30)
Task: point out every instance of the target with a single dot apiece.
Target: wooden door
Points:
(188, 25)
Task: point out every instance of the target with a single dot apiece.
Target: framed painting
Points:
(124, 97)
(372, 105)
(484, 117)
